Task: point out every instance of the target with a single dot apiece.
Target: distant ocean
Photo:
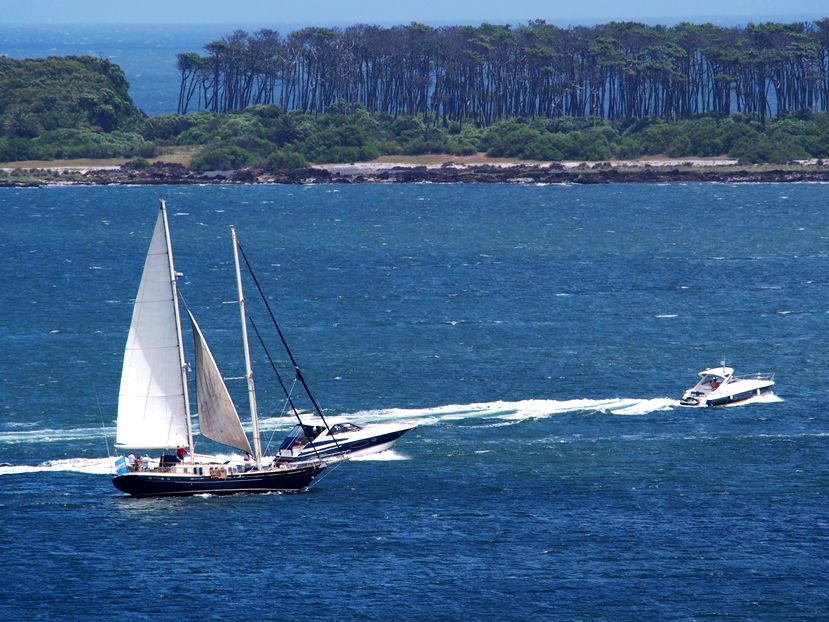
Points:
(540, 337)
(146, 53)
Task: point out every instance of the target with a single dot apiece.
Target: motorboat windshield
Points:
(342, 428)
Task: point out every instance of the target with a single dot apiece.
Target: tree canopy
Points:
(66, 107)
(42, 94)
(488, 73)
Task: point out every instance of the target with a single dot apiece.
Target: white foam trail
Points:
(48, 435)
(94, 466)
(505, 411)
(492, 413)
(390, 455)
(645, 407)
(497, 413)
(513, 411)
(766, 398)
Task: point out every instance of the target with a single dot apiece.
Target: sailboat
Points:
(154, 410)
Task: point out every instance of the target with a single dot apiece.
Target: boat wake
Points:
(503, 411)
(491, 413)
(105, 466)
(390, 455)
(765, 398)
(93, 466)
(512, 412)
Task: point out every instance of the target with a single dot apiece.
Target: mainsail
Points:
(218, 418)
(152, 402)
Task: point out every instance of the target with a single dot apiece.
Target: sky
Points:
(387, 12)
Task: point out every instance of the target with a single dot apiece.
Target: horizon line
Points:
(579, 21)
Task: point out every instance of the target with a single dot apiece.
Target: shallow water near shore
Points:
(540, 337)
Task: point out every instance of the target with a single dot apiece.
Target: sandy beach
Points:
(433, 168)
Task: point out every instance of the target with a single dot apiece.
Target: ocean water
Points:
(540, 337)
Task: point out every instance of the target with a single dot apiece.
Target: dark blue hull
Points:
(328, 449)
(158, 484)
(739, 397)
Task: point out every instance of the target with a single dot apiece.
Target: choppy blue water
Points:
(539, 336)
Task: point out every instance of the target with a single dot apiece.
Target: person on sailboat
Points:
(131, 461)
(180, 453)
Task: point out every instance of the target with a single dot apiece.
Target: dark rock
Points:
(602, 172)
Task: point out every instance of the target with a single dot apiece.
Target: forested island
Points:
(537, 93)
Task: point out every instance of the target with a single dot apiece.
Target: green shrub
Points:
(705, 137)
(460, 146)
(17, 121)
(81, 143)
(589, 144)
(657, 138)
(15, 149)
(258, 146)
(167, 127)
(266, 112)
(222, 158)
(543, 147)
(508, 139)
(290, 129)
(735, 131)
(628, 148)
(137, 163)
(346, 143)
(285, 159)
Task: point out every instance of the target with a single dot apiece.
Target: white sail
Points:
(152, 404)
(218, 418)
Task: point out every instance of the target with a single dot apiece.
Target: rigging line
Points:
(273, 367)
(331, 466)
(282, 384)
(299, 375)
(282, 336)
(281, 414)
(103, 426)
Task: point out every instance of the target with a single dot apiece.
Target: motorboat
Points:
(719, 386)
(336, 438)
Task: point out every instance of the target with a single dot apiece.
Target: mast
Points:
(183, 362)
(257, 449)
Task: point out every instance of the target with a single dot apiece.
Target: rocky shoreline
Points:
(515, 173)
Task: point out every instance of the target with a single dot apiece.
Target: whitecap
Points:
(766, 398)
(645, 407)
(390, 455)
(95, 466)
